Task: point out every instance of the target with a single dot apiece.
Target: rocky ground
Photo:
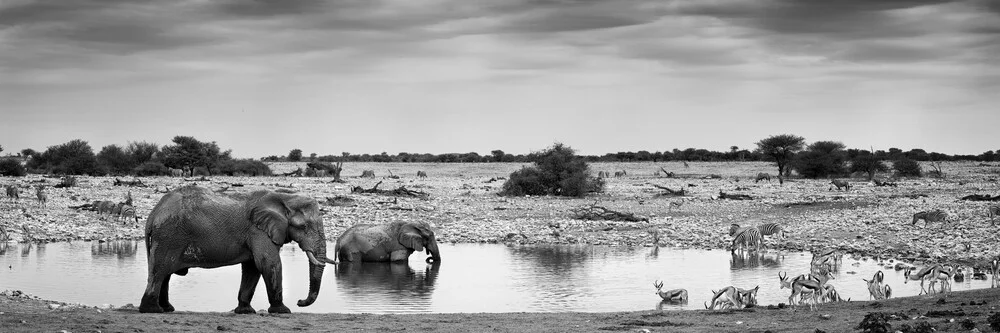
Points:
(462, 203)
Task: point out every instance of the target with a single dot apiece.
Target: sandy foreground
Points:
(462, 204)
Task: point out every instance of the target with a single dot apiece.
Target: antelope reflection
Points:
(755, 259)
(120, 249)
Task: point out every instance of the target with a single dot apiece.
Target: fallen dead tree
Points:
(598, 213)
(296, 173)
(724, 195)
(981, 197)
(340, 201)
(130, 183)
(669, 192)
(882, 183)
(400, 191)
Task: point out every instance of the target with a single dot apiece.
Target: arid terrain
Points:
(462, 204)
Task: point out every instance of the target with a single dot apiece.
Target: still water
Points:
(470, 278)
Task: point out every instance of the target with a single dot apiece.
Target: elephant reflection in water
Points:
(755, 259)
(365, 277)
(120, 249)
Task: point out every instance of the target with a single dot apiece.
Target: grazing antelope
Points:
(992, 212)
(105, 207)
(620, 174)
(763, 176)
(828, 258)
(945, 274)
(673, 295)
(815, 283)
(43, 199)
(13, 193)
(116, 210)
(841, 184)
(368, 173)
(922, 275)
(421, 174)
(731, 297)
(745, 238)
(176, 172)
(994, 268)
(876, 290)
(936, 215)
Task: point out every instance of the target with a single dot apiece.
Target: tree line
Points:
(789, 152)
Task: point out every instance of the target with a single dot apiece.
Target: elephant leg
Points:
(165, 295)
(248, 284)
(269, 266)
(155, 285)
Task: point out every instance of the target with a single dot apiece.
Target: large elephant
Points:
(386, 242)
(194, 227)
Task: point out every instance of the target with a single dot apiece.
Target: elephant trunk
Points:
(316, 266)
(432, 251)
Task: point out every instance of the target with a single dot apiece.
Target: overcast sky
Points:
(365, 76)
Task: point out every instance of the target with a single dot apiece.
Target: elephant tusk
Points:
(313, 260)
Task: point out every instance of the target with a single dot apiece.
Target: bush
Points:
(12, 167)
(557, 171)
(994, 320)
(869, 164)
(71, 158)
(814, 164)
(115, 160)
(907, 168)
(148, 169)
(875, 322)
(244, 167)
(201, 171)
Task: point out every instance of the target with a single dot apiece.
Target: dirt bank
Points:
(958, 311)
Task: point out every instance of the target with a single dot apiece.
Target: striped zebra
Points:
(992, 212)
(127, 212)
(745, 238)
(768, 229)
(936, 215)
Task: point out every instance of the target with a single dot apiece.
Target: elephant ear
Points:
(269, 217)
(411, 237)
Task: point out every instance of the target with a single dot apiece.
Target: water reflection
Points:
(554, 259)
(26, 249)
(741, 261)
(120, 249)
(3, 248)
(367, 277)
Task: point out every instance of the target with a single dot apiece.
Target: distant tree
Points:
(1, 149)
(27, 152)
(821, 159)
(781, 148)
(12, 167)
(312, 157)
(643, 155)
(895, 153)
(868, 164)
(497, 155)
(141, 152)
(189, 153)
(113, 159)
(295, 155)
(71, 158)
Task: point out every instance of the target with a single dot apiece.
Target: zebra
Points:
(841, 184)
(992, 212)
(620, 174)
(936, 215)
(128, 211)
(768, 229)
(763, 176)
(745, 238)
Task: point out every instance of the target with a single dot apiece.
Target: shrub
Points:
(557, 171)
(12, 167)
(875, 322)
(994, 320)
(243, 167)
(115, 160)
(813, 164)
(201, 171)
(907, 168)
(869, 164)
(151, 169)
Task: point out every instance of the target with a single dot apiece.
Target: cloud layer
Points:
(734, 58)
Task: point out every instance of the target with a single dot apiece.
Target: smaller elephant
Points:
(386, 242)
